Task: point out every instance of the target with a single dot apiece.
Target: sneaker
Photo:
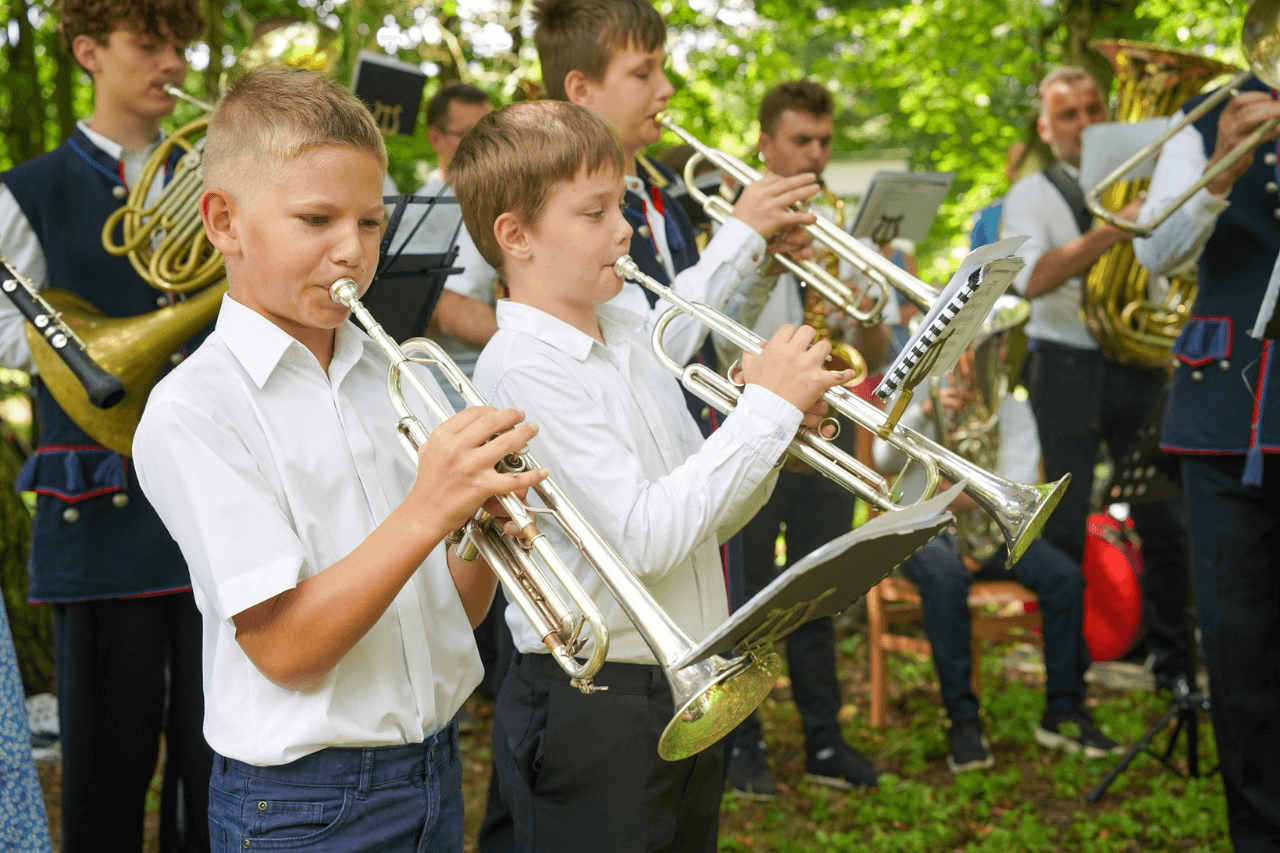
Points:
(840, 766)
(969, 747)
(1075, 731)
(749, 773)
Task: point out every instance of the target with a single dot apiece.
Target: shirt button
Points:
(119, 192)
(1224, 365)
(163, 300)
(1196, 376)
(71, 515)
(1271, 186)
(176, 359)
(705, 414)
(119, 500)
(1269, 158)
(644, 231)
(1276, 213)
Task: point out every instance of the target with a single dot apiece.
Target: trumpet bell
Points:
(712, 698)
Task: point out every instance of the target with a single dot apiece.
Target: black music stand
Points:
(1188, 703)
(417, 255)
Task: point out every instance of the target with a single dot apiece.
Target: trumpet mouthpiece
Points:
(344, 290)
(625, 267)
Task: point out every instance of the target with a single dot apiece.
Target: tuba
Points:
(1116, 305)
(984, 373)
(711, 696)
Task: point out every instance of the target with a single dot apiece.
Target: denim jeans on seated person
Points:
(940, 574)
(400, 799)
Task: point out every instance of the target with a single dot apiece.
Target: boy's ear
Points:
(513, 236)
(577, 88)
(217, 212)
(85, 50)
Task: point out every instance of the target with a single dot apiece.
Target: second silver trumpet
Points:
(711, 697)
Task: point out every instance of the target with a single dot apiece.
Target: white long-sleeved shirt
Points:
(1180, 239)
(19, 244)
(1033, 207)
(617, 438)
(267, 471)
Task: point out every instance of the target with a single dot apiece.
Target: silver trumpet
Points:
(711, 697)
(882, 272)
(1019, 511)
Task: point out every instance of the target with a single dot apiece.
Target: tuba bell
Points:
(1128, 322)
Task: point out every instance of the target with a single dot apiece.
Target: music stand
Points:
(416, 257)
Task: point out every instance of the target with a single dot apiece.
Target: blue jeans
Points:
(406, 799)
(944, 592)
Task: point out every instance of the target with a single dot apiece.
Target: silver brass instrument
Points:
(882, 272)
(983, 373)
(1260, 41)
(711, 697)
(1020, 511)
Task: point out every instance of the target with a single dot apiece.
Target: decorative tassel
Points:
(1252, 475)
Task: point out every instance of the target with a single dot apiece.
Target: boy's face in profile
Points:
(635, 89)
(131, 69)
(321, 223)
(574, 244)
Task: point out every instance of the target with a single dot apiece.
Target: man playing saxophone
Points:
(796, 129)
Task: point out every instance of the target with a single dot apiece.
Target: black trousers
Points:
(1235, 554)
(815, 511)
(582, 772)
(128, 670)
(1081, 400)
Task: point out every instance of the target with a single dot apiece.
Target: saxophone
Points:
(843, 355)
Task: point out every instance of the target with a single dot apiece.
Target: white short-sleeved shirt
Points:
(267, 471)
(617, 438)
(1034, 207)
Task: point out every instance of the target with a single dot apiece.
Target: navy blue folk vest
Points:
(1224, 397)
(95, 534)
(682, 242)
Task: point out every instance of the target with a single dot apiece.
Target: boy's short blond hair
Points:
(513, 159)
(584, 35)
(270, 117)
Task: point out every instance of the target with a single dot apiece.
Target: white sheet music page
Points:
(955, 318)
(900, 204)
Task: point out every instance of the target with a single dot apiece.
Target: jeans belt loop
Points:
(366, 773)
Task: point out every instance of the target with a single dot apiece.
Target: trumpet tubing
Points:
(711, 696)
(1019, 510)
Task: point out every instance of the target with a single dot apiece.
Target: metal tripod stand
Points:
(1188, 703)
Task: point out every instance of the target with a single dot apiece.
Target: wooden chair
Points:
(897, 600)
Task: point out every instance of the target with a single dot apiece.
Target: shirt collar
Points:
(113, 148)
(615, 321)
(260, 345)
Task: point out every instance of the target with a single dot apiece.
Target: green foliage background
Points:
(948, 83)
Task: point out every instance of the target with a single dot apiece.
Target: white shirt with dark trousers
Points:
(617, 438)
(267, 471)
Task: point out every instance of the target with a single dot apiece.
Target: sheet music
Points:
(900, 204)
(956, 316)
(1268, 324)
(1109, 144)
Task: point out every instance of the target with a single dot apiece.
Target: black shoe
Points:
(1075, 731)
(749, 774)
(840, 766)
(969, 747)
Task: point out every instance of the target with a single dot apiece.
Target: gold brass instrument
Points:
(1128, 322)
(843, 355)
(882, 272)
(1020, 511)
(983, 374)
(1260, 42)
(711, 697)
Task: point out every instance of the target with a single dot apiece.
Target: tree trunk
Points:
(26, 136)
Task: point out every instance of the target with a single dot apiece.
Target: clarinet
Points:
(103, 389)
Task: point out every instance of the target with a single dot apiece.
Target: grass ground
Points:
(1033, 800)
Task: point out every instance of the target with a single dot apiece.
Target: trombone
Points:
(1019, 511)
(880, 270)
(1260, 41)
(711, 696)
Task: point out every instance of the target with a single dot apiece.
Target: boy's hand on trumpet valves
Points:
(767, 204)
(456, 465)
(792, 366)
